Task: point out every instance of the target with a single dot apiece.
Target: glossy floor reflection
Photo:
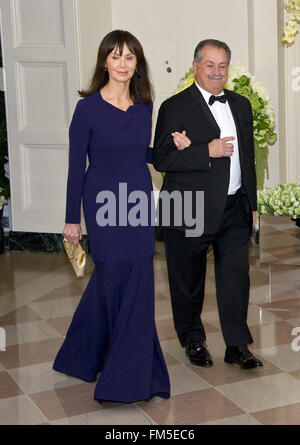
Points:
(38, 296)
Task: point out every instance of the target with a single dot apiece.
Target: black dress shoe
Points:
(198, 354)
(242, 356)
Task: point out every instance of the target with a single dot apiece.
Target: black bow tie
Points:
(213, 99)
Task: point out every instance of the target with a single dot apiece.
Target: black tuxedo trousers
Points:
(186, 259)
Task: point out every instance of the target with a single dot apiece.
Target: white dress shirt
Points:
(223, 116)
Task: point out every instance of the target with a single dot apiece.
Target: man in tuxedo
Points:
(204, 142)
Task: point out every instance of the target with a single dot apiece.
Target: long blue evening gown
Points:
(113, 329)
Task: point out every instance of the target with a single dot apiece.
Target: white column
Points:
(292, 111)
(289, 97)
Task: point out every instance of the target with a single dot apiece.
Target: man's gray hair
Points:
(210, 42)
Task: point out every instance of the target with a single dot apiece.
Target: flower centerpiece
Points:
(242, 82)
(281, 200)
(290, 30)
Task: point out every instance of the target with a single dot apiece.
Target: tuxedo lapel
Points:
(236, 116)
(201, 106)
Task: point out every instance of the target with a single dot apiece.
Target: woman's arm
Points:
(79, 134)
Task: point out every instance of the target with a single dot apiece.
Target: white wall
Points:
(170, 30)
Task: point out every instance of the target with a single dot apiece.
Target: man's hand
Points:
(181, 140)
(219, 148)
(254, 217)
(72, 232)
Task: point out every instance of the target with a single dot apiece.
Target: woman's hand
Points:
(72, 232)
(181, 140)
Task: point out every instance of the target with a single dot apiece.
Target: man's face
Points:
(212, 72)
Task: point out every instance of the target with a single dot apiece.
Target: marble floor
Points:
(39, 293)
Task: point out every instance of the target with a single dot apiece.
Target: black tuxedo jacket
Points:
(192, 169)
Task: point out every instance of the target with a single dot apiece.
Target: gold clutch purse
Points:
(76, 255)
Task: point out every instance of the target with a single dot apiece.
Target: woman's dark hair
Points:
(140, 86)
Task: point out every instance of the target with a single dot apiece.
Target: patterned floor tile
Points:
(278, 333)
(22, 315)
(121, 415)
(259, 276)
(30, 353)
(184, 380)
(285, 415)
(279, 241)
(210, 302)
(165, 329)
(41, 377)
(29, 332)
(281, 356)
(222, 373)
(191, 408)
(37, 303)
(67, 402)
(294, 321)
(175, 349)
(56, 308)
(256, 316)
(263, 393)
(20, 411)
(20, 268)
(170, 360)
(68, 290)
(295, 374)
(285, 308)
(260, 294)
(61, 324)
(163, 310)
(8, 387)
(244, 419)
(160, 275)
(33, 289)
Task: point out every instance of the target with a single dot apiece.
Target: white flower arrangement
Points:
(292, 20)
(281, 200)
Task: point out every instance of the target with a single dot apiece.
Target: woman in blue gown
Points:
(113, 329)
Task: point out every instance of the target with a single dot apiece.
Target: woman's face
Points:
(121, 68)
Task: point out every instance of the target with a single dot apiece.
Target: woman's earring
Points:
(105, 68)
(137, 72)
